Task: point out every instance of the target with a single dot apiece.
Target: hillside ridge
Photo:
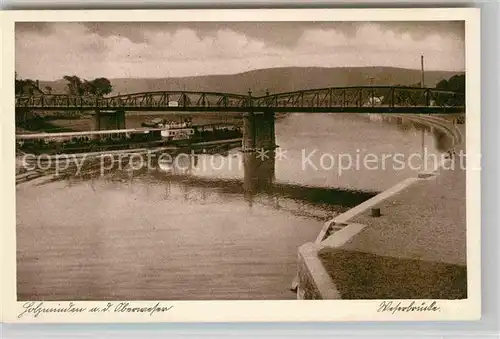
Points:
(275, 80)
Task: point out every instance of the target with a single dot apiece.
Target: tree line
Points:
(456, 84)
(97, 87)
(75, 86)
(26, 86)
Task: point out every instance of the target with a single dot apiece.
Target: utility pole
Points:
(422, 71)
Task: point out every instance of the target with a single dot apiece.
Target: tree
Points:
(454, 84)
(443, 84)
(19, 86)
(98, 86)
(24, 87)
(75, 85)
(457, 83)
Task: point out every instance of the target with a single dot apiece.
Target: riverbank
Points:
(415, 249)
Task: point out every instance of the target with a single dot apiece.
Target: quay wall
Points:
(312, 280)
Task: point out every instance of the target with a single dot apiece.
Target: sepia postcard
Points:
(240, 165)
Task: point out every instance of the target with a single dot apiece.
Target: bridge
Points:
(258, 112)
(359, 99)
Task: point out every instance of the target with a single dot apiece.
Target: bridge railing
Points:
(374, 96)
(139, 100)
(364, 97)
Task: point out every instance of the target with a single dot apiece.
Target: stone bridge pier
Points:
(108, 120)
(258, 131)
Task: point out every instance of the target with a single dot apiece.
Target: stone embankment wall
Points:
(313, 281)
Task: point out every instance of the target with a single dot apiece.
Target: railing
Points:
(373, 96)
(324, 98)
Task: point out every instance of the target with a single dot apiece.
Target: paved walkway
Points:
(415, 249)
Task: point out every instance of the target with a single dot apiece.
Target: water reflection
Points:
(256, 183)
(259, 175)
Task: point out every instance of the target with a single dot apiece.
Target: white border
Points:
(261, 311)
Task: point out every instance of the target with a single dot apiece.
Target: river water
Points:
(207, 226)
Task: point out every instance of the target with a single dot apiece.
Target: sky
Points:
(48, 51)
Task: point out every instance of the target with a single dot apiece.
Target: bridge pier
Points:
(259, 131)
(107, 120)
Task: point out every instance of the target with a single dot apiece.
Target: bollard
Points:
(376, 212)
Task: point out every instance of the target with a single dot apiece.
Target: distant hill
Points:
(273, 79)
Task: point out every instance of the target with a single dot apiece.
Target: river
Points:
(192, 231)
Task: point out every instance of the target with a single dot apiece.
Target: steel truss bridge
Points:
(365, 99)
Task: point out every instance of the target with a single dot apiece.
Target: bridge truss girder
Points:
(336, 99)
